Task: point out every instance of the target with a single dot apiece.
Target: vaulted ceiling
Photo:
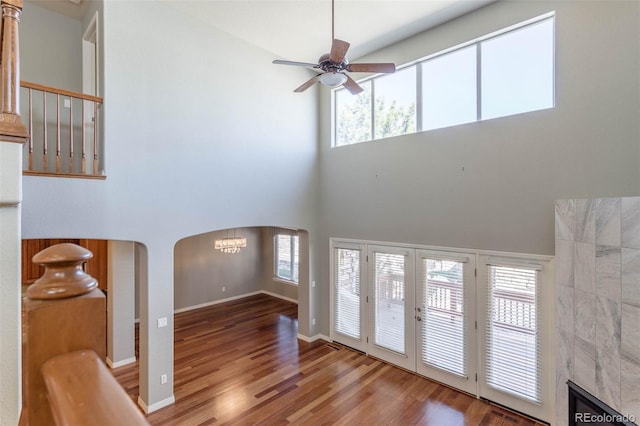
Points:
(301, 29)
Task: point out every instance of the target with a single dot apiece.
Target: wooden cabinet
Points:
(97, 266)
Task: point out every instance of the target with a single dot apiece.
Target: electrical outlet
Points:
(313, 283)
(313, 321)
(163, 379)
(67, 103)
(162, 322)
(224, 289)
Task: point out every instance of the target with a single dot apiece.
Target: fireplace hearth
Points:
(586, 409)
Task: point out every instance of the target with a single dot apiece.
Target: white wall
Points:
(195, 141)
(51, 48)
(10, 288)
(121, 303)
(413, 188)
(203, 274)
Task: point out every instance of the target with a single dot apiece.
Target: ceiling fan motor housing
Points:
(327, 65)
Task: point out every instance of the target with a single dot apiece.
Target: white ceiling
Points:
(300, 30)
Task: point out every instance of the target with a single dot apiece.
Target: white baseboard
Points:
(313, 338)
(279, 296)
(155, 406)
(215, 302)
(120, 363)
(229, 299)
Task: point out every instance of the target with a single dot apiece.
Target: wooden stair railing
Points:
(59, 146)
(64, 326)
(82, 391)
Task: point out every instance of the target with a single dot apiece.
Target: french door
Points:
(391, 305)
(515, 314)
(348, 314)
(476, 321)
(413, 308)
(445, 314)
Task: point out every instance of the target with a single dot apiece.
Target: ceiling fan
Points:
(332, 67)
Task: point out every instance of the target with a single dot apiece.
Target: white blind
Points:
(512, 332)
(442, 326)
(347, 292)
(389, 301)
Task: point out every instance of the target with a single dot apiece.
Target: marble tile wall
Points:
(598, 301)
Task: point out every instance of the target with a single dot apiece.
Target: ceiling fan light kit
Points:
(333, 79)
(333, 66)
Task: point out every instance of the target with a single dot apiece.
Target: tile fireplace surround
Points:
(598, 301)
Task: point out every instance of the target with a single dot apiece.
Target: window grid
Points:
(417, 64)
(418, 97)
(478, 82)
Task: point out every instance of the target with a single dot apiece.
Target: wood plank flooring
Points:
(241, 363)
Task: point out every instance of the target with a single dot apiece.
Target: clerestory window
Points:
(504, 73)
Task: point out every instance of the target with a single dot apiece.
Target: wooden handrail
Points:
(49, 89)
(81, 138)
(82, 391)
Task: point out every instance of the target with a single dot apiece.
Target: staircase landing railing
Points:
(63, 127)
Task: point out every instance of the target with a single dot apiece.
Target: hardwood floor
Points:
(241, 363)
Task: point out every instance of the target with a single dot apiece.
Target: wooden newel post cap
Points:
(63, 274)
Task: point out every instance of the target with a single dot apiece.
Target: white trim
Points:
(229, 299)
(120, 363)
(513, 263)
(156, 405)
(215, 302)
(284, 281)
(529, 256)
(313, 338)
(292, 249)
(279, 296)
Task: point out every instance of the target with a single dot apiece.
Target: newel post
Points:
(10, 120)
(64, 311)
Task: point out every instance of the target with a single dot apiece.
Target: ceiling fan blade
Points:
(352, 86)
(308, 83)
(385, 68)
(338, 50)
(298, 64)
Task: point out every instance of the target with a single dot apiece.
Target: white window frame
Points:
(545, 319)
(417, 65)
(294, 253)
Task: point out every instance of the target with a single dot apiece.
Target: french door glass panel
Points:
(347, 295)
(389, 302)
(512, 347)
(446, 318)
(347, 281)
(391, 295)
(443, 323)
(516, 315)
